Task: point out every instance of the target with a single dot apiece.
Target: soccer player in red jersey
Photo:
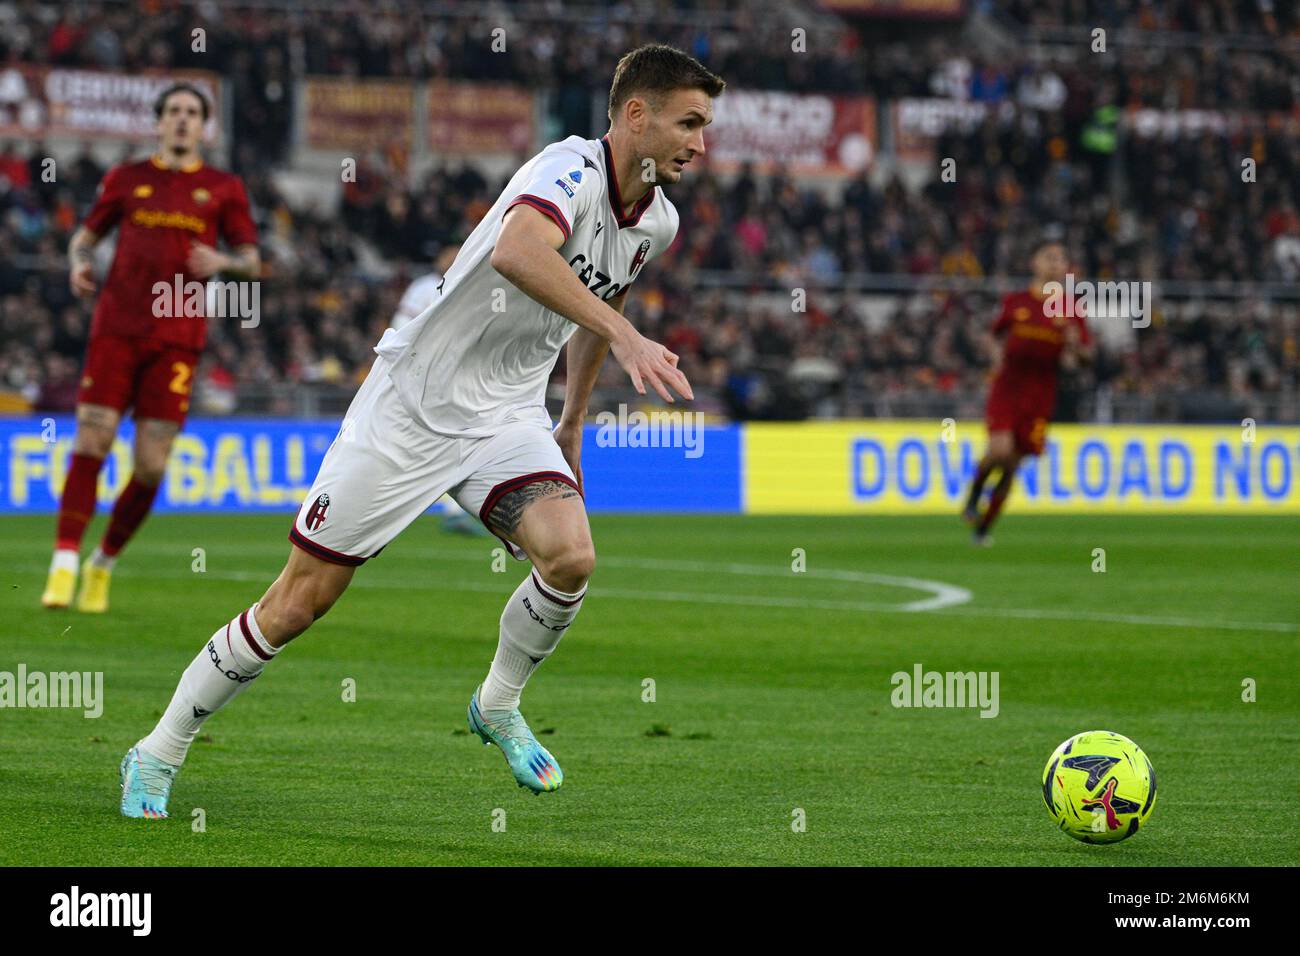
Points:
(1042, 333)
(169, 210)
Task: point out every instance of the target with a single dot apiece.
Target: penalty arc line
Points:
(942, 595)
(1101, 617)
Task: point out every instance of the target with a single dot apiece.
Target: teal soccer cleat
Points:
(530, 762)
(146, 783)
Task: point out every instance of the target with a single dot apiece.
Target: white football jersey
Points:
(482, 352)
(417, 297)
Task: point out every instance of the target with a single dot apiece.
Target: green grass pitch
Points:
(772, 694)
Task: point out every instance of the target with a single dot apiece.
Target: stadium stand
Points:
(902, 274)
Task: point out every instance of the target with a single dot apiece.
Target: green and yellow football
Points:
(1099, 787)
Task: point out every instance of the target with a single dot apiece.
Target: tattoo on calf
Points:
(509, 510)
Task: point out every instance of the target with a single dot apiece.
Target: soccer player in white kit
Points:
(455, 403)
(419, 295)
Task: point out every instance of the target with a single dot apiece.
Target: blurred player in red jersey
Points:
(1040, 338)
(170, 210)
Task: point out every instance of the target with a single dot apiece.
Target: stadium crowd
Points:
(1151, 207)
(322, 308)
(268, 46)
(1265, 18)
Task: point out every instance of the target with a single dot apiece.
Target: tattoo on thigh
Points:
(158, 429)
(97, 416)
(510, 509)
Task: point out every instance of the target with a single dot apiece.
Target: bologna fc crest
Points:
(639, 259)
(316, 516)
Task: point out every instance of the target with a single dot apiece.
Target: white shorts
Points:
(384, 470)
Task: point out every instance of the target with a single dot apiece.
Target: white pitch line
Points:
(1107, 617)
(941, 595)
(693, 597)
(685, 597)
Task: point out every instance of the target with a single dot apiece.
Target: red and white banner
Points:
(805, 134)
(900, 9)
(1148, 123)
(348, 114)
(40, 101)
(472, 118)
(917, 123)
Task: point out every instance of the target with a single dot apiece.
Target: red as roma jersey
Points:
(159, 212)
(1031, 352)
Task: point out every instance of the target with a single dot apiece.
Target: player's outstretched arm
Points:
(204, 261)
(526, 253)
(81, 277)
(586, 354)
(1077, 351)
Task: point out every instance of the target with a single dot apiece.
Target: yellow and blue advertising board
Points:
(923, 467)
(841, 467)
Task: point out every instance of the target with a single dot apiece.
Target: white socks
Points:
(534, 620)
(532, 624)
(68, 560)
(65, 559)
(227, 664)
